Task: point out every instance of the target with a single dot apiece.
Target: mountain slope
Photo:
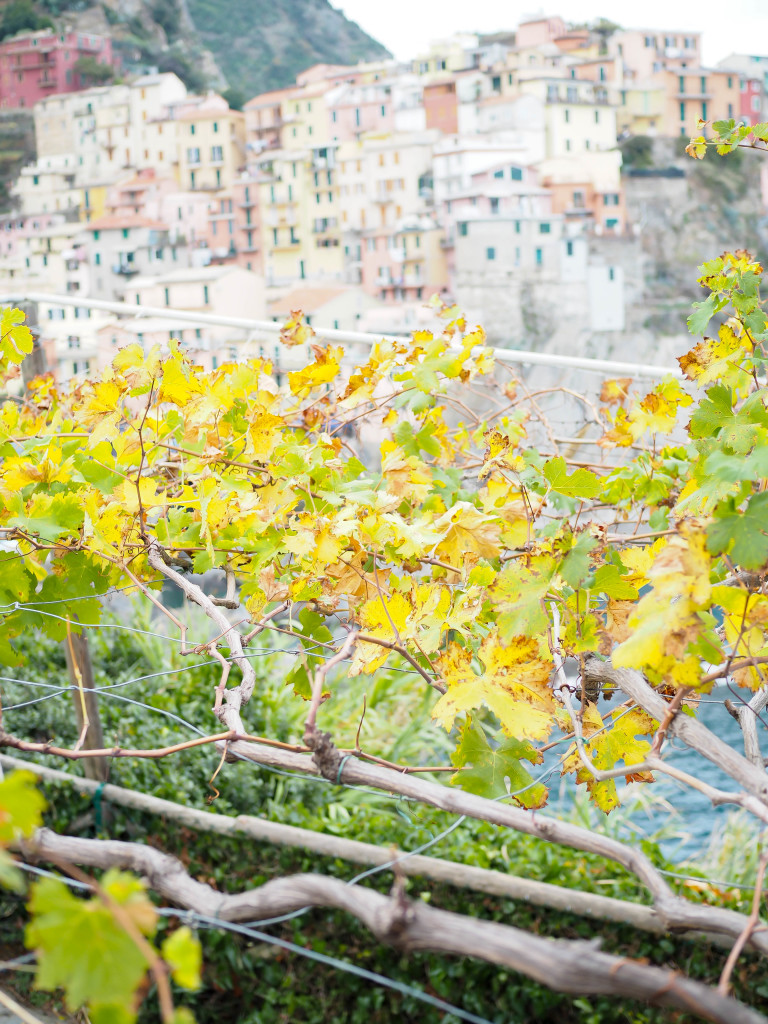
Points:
(263, 44)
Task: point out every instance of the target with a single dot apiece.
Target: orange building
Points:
(441, 106)
(695, 93)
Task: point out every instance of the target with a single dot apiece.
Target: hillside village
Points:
(501, 173)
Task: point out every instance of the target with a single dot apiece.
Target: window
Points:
(544, 228)
(568, 145)
(730, 82)
(730, 110)
(205, 294)
(95, 236)
(215, 126)
(463, 228)
(167, 296)
(191, 179)
(681, 84)
(539, 257)
(494, 204)
(73, 341)
(191, 129)
(567, 115)
(490, 253)
(602, 73)
(516, 173)
(569, 248)
(597, 117)
(383, 110)
(611, 274)
(97, 258)
(704, 110)
(274, 236)
(217, 154)
(611, 199)
(682, 111)
(498, 174)
(193, 155)
(611, 223)
(703, 84)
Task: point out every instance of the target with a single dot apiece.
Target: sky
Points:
(406, 27)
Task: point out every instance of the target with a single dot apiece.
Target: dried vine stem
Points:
(674, 911)
(576, 967)
(248, 827)
(236, 696)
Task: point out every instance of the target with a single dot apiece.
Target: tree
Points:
(20, 16)
(92, 70)
(471, 548)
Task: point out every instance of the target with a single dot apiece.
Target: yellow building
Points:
(301, 228)
(305, 119)
(211, 144)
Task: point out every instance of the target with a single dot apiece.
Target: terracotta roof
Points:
(305, 299)
(113, 222)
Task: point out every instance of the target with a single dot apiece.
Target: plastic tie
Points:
(342, 762)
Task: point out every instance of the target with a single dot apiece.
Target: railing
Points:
(607, 367)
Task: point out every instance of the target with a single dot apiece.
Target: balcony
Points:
(46, 83)
(126, 269)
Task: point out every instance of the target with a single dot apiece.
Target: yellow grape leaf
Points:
(323, 370)
(296, 331)
(615, 392)
(745, 622)
(718, 360)
(128, 497)
(514, 685)
(665, 622)
(138, 370)
(610, 746)
(178, 384)
(467, 529)
(16, 339)
(657, 412)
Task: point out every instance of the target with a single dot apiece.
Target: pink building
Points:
(40, 64)
(357, 109)
(751, 99)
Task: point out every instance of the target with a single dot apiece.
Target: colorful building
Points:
(35, 65)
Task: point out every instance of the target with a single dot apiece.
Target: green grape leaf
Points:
(742, 535)
(183, 954)
(580, 484)
(81, 947)
(608, 580)
(703, 313)
(21, 806)
(485, 769)
(575, 566)
(10, 876)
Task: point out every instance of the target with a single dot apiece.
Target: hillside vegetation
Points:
(250, 45)
(261, 45)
